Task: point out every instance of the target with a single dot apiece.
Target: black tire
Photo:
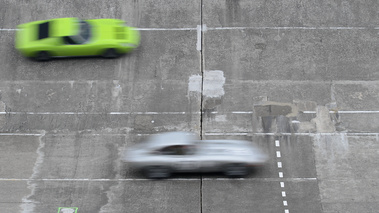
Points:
(236, 170)
(42, 56)
(157, 172)
(110, 53)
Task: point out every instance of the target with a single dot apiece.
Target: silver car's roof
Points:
(186, 138)
(171, 138)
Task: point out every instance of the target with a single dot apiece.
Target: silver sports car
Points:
(173, 152)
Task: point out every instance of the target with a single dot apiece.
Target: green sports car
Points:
(66, 37)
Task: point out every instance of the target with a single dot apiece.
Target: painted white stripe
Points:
(211, 134)
(98, 113)
(165, 29)
(243, 28)
(344, 112)
(175, 179)
(282, 82)
(117, 113)
(8, 29)
(283, 194)
(282, 184)
(277, 144)
(173, 113)
(285, 203)
(204, 28)
(307, 134)
(267, 179)
(280, 174)
(288, 28)
(20, 134)
(241, 112)
(278, 155)
(99, 180)
(286, 211)
(279, 164)
(222, 133)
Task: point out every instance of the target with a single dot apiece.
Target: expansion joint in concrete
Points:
(201, 40)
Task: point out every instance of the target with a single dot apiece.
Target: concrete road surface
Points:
(301, 78)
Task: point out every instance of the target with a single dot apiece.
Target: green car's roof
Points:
(63, 27)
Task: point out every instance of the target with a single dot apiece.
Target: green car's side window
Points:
(68, 40)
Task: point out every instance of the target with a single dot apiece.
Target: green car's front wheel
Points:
(42, 56)
(110, 53)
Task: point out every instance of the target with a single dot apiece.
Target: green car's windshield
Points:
(85, 30)
(82, 37)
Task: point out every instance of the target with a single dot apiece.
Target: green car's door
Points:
(71, 47)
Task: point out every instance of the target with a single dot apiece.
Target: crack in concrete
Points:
(28, 204)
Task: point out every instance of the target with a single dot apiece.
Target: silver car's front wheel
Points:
(236, 170)
(157, 172)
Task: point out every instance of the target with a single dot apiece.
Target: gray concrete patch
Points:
(290, 13)
(345, 170)
(360, 96)
(241, 196)
(303, 196)
(304, 74)
(48, 196)
(154, 196)
(360, 122)
(316, 55)
(17, 156)
(297, 157)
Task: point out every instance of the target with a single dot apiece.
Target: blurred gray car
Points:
(174, 152)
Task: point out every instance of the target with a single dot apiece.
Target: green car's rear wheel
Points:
(43, 56)
(110, 53)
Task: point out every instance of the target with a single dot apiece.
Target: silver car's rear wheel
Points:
(236, 170)
(157, 172)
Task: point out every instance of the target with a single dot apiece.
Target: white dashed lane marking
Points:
(279, 164)
(281, 175)
(278, 155)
